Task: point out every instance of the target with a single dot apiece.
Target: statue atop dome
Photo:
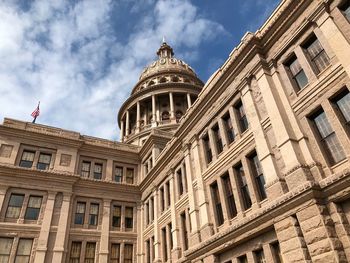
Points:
(165, 51)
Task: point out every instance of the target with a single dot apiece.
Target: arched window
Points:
(151, 83)
(175, 79)
(178, 115)
(165, 115)
(163, 80)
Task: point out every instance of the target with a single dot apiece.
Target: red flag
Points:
(36, 112)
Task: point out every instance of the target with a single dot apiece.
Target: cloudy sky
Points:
(82, 58)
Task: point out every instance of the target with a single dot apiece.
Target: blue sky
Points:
(82, 58)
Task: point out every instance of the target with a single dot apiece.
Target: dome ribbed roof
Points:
(166, 63)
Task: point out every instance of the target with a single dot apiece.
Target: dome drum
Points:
(164, 92)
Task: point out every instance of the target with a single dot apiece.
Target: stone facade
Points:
(256, 168)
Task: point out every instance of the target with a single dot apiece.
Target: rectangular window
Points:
(162, 199)
(129, 175)
(24, 249)
(164, 245)
(85, 169)
(118, 174)
(148, 251)
(218, 139)
(167, 191)
(346, 10)
(33, 208)
(242, 181)
(259, 256)
(328, 137)
(90, 252)
(232, 210)
(27, 159)
(80, 213)
(258, 174)
(180, 183)
(98, 171)
(5, 248)
(242, 118)
(184, 230)
(15, 206)
(151, 212)
(129, 217)
(115, 253)
(75, 252)
(343, 104)
(276, 252)
(217, 203)
(44, 161)
(116, 219)
(229, 128)
(128, 253)
(316, 53)
(242, 259)
(93, 214)
(297, 73)
(170, 236)
(207, 149)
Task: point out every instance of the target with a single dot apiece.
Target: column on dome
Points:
(121, 130)
(189, 102)
(154, 122)
(138, 117)
(127, 123)
(172, 113)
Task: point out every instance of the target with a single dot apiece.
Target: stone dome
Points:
(166, 69)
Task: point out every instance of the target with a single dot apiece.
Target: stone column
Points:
(335, 37)
(176, 251)
(138, 117)
(127, 123)
(223, 133)
(109, 170)
(157, 245)
(122, 246)
(223, 201)
(172, 112)
(319, 234)
(189, 102)
(45, 228)
(105, 225)
(121, 131)
(304, 63)
(264, 153)
(205, 227)
(285, 138)
(253, 191)
(194, 236)
(140, 227)
(212, 143)
(62, 230)
(341, 226)
(154, 116)
(291, 240)
(168, 241)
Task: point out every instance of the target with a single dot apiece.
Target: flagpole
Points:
(34, 120)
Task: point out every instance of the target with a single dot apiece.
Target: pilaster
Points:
(105, 225)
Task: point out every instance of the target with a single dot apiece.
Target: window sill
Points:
(340, 163)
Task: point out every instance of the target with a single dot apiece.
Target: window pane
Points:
(98, 171)
(115, 253)
(80, 213)
(23, 250)
(116, 219)
(129, 217)
(301, 79)
(75, 252)
(33, 208)
(27, 159)
(128, 253)
(93, 216)
(45, 158)
(259, 256)
(118, 174)
(331, 144)
(129, 175)
(343, 104)
(90, 252)
(15, 206)
(5, 249)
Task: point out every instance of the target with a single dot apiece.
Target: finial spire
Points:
(163, 39)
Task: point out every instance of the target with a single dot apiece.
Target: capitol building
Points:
(252, 166)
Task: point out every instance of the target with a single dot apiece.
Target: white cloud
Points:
(67, 56)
